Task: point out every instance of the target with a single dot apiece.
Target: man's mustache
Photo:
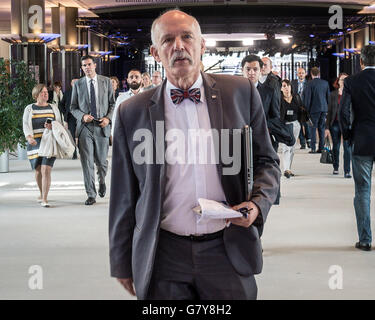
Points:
(180, 55)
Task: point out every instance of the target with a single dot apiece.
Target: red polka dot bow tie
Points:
(178, 95)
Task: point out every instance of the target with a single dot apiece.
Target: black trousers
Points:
(196, 270)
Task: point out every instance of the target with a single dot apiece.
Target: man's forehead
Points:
(87, 62)
(252, 64)
(176, 23)
(134, 74)
(266, 61)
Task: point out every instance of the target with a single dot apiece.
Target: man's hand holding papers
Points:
(211, 209)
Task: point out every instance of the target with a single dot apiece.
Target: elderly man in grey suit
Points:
(159, 247)
(92, 105)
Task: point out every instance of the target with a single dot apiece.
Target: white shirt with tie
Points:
(95, 82)
(188, 180)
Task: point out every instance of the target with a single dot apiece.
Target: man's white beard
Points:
(262, 78)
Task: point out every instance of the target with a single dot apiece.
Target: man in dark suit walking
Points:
(92, 105)
(157, 241)
(251, 69)
(268, 78)
(316, 102)
(358, 103)
(298, 86)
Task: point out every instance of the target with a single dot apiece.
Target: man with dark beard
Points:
(134, 82)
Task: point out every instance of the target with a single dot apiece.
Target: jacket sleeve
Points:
(282, 110)
(307, 97)
(330, 106)
(111, 101)
(74, 107)
(298, 100)
(344, 113)
(26, 123)
(124, 196)
(328, 93)
(266, 162)
(275, 106)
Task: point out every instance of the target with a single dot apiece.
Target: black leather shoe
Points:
(312, 151)
(102, 190)
(363, 246)
(303, 147)
(90, 201)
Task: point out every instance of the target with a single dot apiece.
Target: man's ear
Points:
(154, 53)
(203, 46)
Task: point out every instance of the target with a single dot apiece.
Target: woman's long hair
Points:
(336, 83)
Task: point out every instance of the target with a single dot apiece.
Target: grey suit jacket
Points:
(137, 191)
(80, 103)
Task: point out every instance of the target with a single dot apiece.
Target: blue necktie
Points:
(92, 100)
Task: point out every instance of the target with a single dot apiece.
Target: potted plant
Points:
(15, 95)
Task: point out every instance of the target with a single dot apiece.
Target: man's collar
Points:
(95, 78)
(197, 84)
(135, 91)
(369, 67)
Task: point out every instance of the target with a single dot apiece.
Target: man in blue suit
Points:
(316, 102)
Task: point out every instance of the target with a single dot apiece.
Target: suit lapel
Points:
(214, 103)
(85, 91)
(215, 110)
(156, 114)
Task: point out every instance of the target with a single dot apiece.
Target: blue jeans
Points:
(319, 121)
(336, 140)
(303, 136)
(362, 169)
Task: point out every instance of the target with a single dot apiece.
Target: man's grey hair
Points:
(269, 61)
(163, 13)
(368, 55)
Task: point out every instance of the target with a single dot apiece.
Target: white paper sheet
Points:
(212, 209)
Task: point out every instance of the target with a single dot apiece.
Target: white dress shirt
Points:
(189, 180)
(263, 78)
(88, 81)
(120, 99)
(300, 86)
(57, 97)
